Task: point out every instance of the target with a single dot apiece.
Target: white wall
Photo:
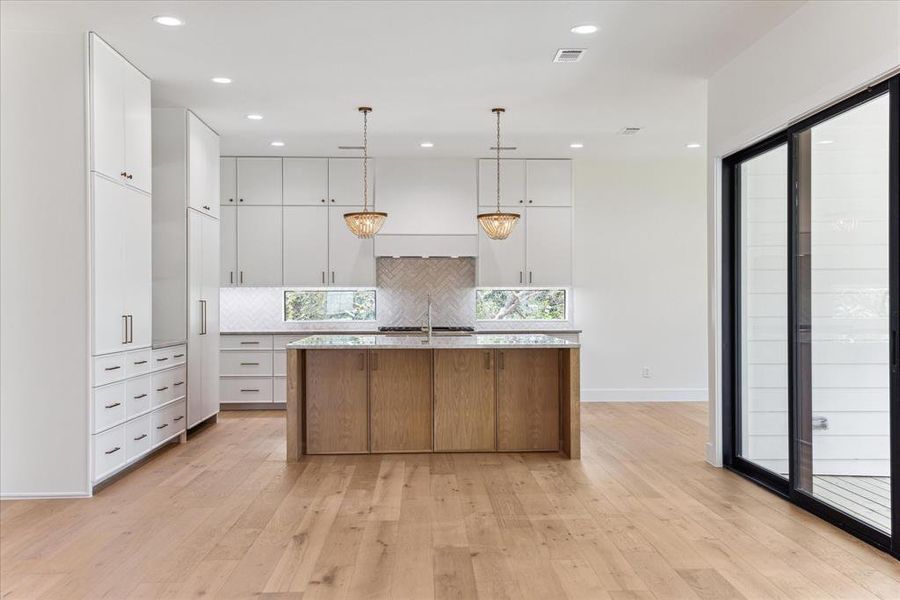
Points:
(640, 280)
(43, 266)
(821, 52)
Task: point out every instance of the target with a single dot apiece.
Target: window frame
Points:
(568, 304)
(287, 291)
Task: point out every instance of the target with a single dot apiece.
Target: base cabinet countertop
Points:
(389, 394)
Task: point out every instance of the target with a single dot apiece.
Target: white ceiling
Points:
(431, 70)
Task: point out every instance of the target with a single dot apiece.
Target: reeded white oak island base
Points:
(383, 394)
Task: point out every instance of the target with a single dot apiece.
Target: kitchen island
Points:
(360, 394)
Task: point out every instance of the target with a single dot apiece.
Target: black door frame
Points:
(731, 342)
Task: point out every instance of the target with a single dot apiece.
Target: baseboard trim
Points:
(644, 395)
(44, 496)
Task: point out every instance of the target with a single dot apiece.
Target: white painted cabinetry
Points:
(254, 368)
(227, 180)
(351, 261)
(512, 182)
(305, 181)
(259, 245)
(120, 117)
(548, 235)
(345, 182)
(548, 182)
(203, 317)
(228, 245)
(203, 159)
(305, 233)
(259, 181)
(501, 263)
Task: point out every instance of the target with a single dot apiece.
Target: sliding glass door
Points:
(810, 291)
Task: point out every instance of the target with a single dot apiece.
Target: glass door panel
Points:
(842, 313)
(763, 368)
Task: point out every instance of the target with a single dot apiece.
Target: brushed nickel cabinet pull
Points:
(520, 277)
(178, 383)
(124, 329)
(323, 272)
(178, 418)
(112, 368)
(332, 273)
(140, 362)
(116, 449)
(179, 356)
(140, 437)
(130, 329)
(241, 273)
(250, 389)
(163, 426)
(248, 343)
(203, 317)
(162, 359)
(529, 277)
(139, 396)
(113, 405)
(249, 364)
(162, 389)
(230, 276)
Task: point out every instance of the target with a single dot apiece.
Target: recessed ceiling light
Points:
(255, 117)
(168, 21)
(426, 145)
(278, 144)
(576, 145)
(826, 142)
(692, 145)
(221, 80)
(585, 29)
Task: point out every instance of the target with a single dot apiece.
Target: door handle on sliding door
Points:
(203, 317)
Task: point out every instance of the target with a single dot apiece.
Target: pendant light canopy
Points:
(365, 223)
(498, 225)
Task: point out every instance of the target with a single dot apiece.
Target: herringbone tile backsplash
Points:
(405, 283)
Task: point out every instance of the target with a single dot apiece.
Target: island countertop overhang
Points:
(421, 342)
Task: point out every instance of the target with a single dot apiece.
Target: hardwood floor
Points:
(641, 516)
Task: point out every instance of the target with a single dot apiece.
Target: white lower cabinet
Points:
(139, 406)
(240, 390)
(254, 368)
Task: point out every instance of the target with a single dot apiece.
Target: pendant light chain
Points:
(365, 223)
(365, 160)
(498, 161)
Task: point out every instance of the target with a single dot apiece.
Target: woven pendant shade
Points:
(365, 224)
(498, 225)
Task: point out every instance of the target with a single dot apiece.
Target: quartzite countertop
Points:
(369, 394)
(421, 342)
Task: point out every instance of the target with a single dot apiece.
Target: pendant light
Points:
(498, 225)
(365, 223)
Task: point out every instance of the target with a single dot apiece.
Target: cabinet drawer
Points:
(279, 389)
(167, 386)
(162, 426)
(109, 368)
(138, 437)
(245, 342)
(109, 406)
(109, 451)
(279, 363)
(245, 389)
(138, 362)
(163, 358)
(177, 414)
(137, 396)
(245, 363)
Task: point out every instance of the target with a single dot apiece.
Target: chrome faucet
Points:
(429, 319)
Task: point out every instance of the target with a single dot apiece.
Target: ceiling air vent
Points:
(568, 55)
(629, 130)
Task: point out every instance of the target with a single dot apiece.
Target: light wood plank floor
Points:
(640, 517)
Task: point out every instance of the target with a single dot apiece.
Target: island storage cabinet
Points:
(527, 400)
(400, 400)
(464, 401)
(337, 411)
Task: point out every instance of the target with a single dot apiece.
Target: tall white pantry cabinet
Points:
(186, 250)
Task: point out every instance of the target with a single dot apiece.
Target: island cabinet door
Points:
(400, 400)
(336, 402)
(528, 399)
(464, 407)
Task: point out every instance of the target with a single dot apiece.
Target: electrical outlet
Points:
(645, 372)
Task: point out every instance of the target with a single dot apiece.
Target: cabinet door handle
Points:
(230, 276)
(123, 174)
(162, 389)
(487, 361)
(241, 277)
(502, 364)
(129, 329)
(203, 317)
(323, 272)
(139, 396)
(323, 199)
(141, 362)
(231, 199)
(332, 199)
(178, 383)
(178, 356)
(124, 329)
(205, 208)
(112, 368)
(531, 202)
(520, 277)
(240, 199)
(248, 343)
(163, 426)
(332, 277)
(162, 359)
(178, 418)
(249, 364)
(140, 437)
(130, 176)
(529, 277)
(113, 405)
(116, 449)
(250, 389)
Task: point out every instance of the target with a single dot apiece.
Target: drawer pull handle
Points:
(178, 383)
(248, 343)
(178, 418)
(112, 368)
(178, 356)
(249, 364)
(140, 437)
(113, 405)
(163, 426)
(162, 389)
(140, 362)
(139, 396)
(250, 390)
(116, 449)
(162, 359)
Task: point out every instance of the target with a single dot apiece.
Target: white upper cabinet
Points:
(305, 230)
(122, 277)
(345, 181)
(120, 118)
(259, 245)
(203, 172)
(501, 263)
(549, 246)
(228, 181)
(228, 245)
(305, 181)
(351, 260)
(512, 182)
(548, 182)
(427, 196)
(259, 181)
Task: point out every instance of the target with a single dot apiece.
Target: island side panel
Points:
(570, 402)
(294, 404)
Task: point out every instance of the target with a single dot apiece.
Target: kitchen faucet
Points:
(429, 319)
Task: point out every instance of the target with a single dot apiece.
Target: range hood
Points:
(404, 245)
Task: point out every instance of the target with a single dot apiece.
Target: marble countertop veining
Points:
(476, 341)
(376, 332)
